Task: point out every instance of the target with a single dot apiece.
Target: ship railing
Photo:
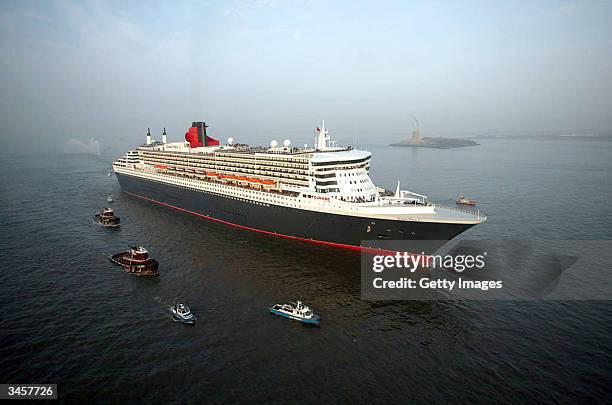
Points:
(389, 195)
(474, 211)
(481, 217)
(204, 178)
(409, 194)
(391, 200)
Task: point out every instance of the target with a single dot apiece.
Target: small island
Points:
(430, 142)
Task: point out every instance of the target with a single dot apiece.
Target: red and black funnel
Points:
(196, 136)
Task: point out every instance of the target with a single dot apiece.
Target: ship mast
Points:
(321, 138)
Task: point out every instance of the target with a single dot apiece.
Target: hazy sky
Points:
(258, 70)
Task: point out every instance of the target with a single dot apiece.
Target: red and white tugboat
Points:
(136, 261)
(107, 218)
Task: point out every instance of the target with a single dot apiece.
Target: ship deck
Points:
(446, 214)
(454, 214)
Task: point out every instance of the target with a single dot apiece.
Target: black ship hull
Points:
(310, 226)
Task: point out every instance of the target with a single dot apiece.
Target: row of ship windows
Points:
(354, 181)
(327, 183)
(190, 176)
(277, 178)
(263, 157)
(334, 189)
(234, 197)
(249, 160)
(301, 176)
(340, 162)
(339, 174)
(257, 194)
(341, 168)
(351, 174)
(222, 164)
(186, 184)
(334, 182)
(277, 173)
(281, 172)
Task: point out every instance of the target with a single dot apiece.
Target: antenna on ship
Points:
(164, 138)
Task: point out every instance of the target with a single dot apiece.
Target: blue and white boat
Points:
(181, 312)
(296, 311)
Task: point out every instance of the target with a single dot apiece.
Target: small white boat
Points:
(296, 311)
(109, 199)
(109, 174)
(181, 312)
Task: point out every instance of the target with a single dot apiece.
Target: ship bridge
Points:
(344, 174)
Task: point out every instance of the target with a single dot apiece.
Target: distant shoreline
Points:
(437, 143)
(563, 137)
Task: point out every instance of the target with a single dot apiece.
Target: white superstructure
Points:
(324, 178)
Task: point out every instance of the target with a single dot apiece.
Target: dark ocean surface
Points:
(71, 317)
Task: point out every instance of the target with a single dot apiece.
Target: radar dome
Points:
(230, 141)
(274, 144)
(287, 143)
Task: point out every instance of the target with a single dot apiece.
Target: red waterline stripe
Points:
(313, 241)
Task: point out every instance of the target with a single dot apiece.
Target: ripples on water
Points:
(69, 316)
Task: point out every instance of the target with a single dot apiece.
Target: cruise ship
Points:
(321, 194)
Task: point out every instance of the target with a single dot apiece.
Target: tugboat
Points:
(107, 218)
(296, 311)
(136, 261)
(464, 201)
(109, 199)
(182, 313)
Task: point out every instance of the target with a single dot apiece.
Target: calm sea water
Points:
(72, 318)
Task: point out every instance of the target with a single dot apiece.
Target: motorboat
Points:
(296, 311)
(464, 201)
(109, 199)
(181, 312)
